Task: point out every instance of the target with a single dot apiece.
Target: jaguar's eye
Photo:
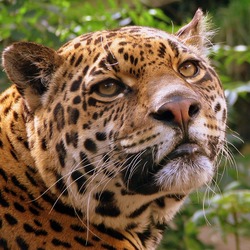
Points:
(108, 88)
(188, 69)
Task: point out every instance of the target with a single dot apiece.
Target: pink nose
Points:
(178, 112)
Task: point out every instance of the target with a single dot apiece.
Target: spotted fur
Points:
(102, 140)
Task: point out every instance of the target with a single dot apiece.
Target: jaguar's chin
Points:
(184, 174)
(184, 169)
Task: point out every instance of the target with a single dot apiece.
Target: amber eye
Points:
(108, 88)
(188, 69)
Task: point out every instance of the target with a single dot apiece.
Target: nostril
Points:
(166, 115)
(169, 116)
(194, 110)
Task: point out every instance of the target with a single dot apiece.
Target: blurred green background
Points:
(217, 217)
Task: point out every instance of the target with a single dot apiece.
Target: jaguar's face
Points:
(127, 118)
(150, 112)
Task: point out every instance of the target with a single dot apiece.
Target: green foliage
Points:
(234, 23)
(31, 20)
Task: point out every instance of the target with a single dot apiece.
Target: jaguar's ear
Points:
(30, 67)
(197, 33)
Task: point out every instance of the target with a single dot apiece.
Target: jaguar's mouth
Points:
(179, 169)
(185, 149)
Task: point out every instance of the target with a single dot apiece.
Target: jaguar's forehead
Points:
(132, 51)
(132, 36)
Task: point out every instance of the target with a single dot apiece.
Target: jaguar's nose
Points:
(178, 112)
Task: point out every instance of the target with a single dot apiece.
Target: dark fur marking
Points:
(4, 98)
(107, 246)
(142, 180)
(35, 203)
(83, 242)
(113, 233)
(206, 77)
(121, 50)
(91, 101)
(112, 61)
(109, 210)
(85, 126)
(10, 219)
(84, 105)
(95, 238)
(44, 144)
(88, 167)
(34, 211)
(96, 57)
(176, 197)
(61, 208)
(14, 155)
(61, 186)
(59, 116)
(110, 232)
(57, 242)
(95, 116)
(30, 229)
(80, 181)
(72, 137)
(125, 56)
(7, 110)
(72, 59)
(56, 226)
(79, 60)
(101, 136)
(10, 191)
(73, 115)
(3, 174)
(173, 45)
(144, 236)
(90, 145)
(19, 207)
(76, 84)
(131, 226)
(217, 107)
(76, 45)
(160, 202)
(16, 182)
(85, 70)
(22, 243)
(106, 157)
(105, 196)
(77, 100)
(15, 115)
(162, 50)
(3, 244)
(38, 223)
(98, 40)
(107, 205)
(61, 152)
(139, 211)
(78, 228)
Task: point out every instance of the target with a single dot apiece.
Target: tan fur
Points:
(84, 165)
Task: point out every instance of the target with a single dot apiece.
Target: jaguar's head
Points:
(121, 121)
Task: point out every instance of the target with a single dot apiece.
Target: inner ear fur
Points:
(197, 32)
(30, 67)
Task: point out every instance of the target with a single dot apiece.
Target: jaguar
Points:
(103, 140)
